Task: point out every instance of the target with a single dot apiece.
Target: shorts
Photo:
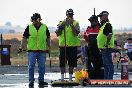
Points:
(71, 56)
(129, 54)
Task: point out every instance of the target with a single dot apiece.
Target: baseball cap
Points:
(129, 39)
(103, 13)
(69, 12)
(93, 17)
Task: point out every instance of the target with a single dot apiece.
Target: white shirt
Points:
(128, 47)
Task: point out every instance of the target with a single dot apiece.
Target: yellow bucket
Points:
(78, 76)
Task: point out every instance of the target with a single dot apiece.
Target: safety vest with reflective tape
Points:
(37, 39)
(71, 39)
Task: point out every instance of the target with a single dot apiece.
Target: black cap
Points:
(93, 17)
(36, 16)
(129, 39)
(69, 12)
(103, 13)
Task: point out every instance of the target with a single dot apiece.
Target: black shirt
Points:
(26, 32)
(107, 29)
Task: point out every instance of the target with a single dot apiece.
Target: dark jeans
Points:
(41, 58)
(108, 64)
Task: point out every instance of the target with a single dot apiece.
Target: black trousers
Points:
(95, 64)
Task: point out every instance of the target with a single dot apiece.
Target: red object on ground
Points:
(124, 68)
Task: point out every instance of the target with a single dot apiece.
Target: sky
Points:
(19, 12)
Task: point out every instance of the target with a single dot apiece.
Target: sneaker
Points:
(31, 84)
(42, 83)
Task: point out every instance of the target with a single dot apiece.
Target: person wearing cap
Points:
(105, 42)
(67, 32)
(94, 56)
(128, 48)
(37, 38)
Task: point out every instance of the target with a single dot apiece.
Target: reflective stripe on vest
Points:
(102, 39)
(71, 39)
(37, 39)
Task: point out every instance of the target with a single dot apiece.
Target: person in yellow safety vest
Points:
(67, 32)
(105, 42)
(37, 37)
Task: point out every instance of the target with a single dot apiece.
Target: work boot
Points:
(31, 84)
(42, 83)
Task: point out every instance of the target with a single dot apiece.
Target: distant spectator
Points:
(128, 48)
(116, 51)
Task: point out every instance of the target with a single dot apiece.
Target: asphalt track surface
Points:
(17, 77)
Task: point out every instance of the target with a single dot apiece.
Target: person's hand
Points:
(61, 27)
(70, 21)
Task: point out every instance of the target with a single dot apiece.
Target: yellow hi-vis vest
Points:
(71, 39)
(102, 39)
(37, 39)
